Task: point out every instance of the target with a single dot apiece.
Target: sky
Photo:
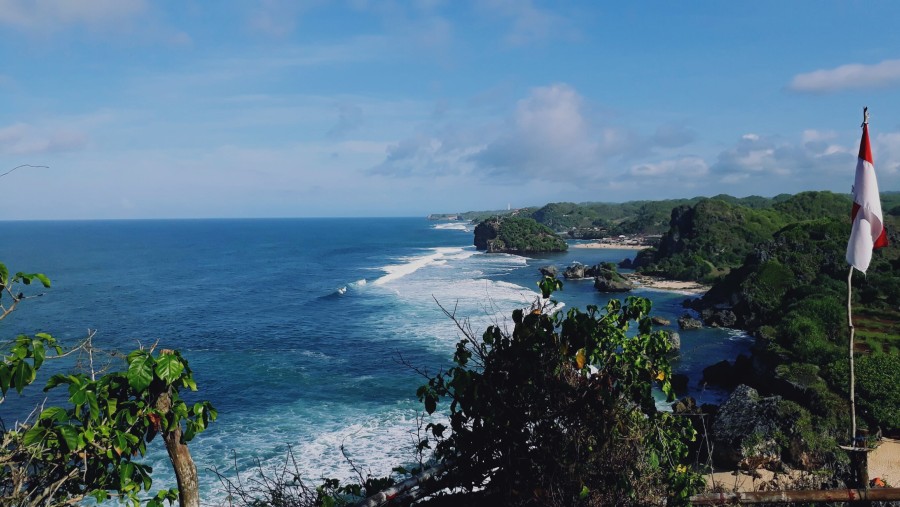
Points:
(309, 108)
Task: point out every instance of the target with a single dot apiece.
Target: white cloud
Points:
(886, 151)
(812, 135)
(550, 134)
(848, 77)
(529, 23)
(685, 167)
(278, 18)
(51, 15)
(24, 139)
(350, 117)
(768, 159)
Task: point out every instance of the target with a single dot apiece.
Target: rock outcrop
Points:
(688, 322)
(516, 235)
(659, 321)
(609, 280)
(575, 271)
(743, 434)
(549, 271)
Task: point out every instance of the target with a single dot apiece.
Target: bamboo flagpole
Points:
(852, 374)
(866, 235)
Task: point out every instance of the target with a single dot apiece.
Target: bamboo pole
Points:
(391, 493)
(828, 495)
(852, 374)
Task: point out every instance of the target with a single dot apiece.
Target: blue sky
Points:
(279, 108)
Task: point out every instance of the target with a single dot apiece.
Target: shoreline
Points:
(654, 282)
(609, 246)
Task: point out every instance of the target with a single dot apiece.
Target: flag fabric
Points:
(868, 225)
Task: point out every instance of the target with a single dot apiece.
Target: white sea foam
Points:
(413, 264)
(453, 226)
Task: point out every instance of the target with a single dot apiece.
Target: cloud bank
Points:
(853, 76)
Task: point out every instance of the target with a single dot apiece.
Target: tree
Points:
(560, 411)
(89, 448)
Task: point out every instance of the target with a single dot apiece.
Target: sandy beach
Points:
(884, 462)
(652, 282)
(609, 246)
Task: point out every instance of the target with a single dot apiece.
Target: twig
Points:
(24, 165)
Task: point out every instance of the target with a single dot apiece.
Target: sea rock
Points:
(688, 322)
(680, 384)
(719, 317)
(549, 271)
(575, 271)
(608, 280)
(674, 341)
(659, 321)
(604, 285)
(626, 264)
(719, 374)
(686, 405)
(743, 434)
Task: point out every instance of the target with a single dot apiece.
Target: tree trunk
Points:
(180, 456)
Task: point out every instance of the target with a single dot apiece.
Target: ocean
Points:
(296, 329)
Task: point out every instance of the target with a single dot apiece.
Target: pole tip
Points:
(865, 116)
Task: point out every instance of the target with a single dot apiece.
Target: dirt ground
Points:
(884, 462)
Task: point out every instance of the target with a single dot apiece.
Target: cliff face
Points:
(486, 232)
(516, 235)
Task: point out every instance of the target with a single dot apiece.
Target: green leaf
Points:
(5, 378)
(22, 376)
(169, 367)
(39, 352)
(92, 404)
(140, 371)
(70, 435)
(44, 280)
(584, 492)
(430, 404)
(34, 435)
(57, 414)
(4, 274)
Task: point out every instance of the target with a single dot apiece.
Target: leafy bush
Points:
(560, 411)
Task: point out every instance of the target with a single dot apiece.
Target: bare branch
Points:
(24, 165)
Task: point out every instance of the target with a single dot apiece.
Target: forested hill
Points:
(594, 220)
(707, 240)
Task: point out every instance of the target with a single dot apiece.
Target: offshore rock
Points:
(575, 271)
(719, 317)
(688, 322)
(659, 321)
(549, 271)
(608, 280)
(720, 374)
(516, 235)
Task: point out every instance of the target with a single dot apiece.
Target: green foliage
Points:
(88, 449)
(711, 238)
(560, 412)
(516, 234)
(815, 205)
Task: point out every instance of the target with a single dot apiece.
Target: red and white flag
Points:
(868, 225)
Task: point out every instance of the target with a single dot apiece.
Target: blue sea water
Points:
(295, 327)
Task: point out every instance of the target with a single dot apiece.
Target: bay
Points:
(295, 328)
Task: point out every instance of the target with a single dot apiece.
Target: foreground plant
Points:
(561, 411)
(91, 448)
